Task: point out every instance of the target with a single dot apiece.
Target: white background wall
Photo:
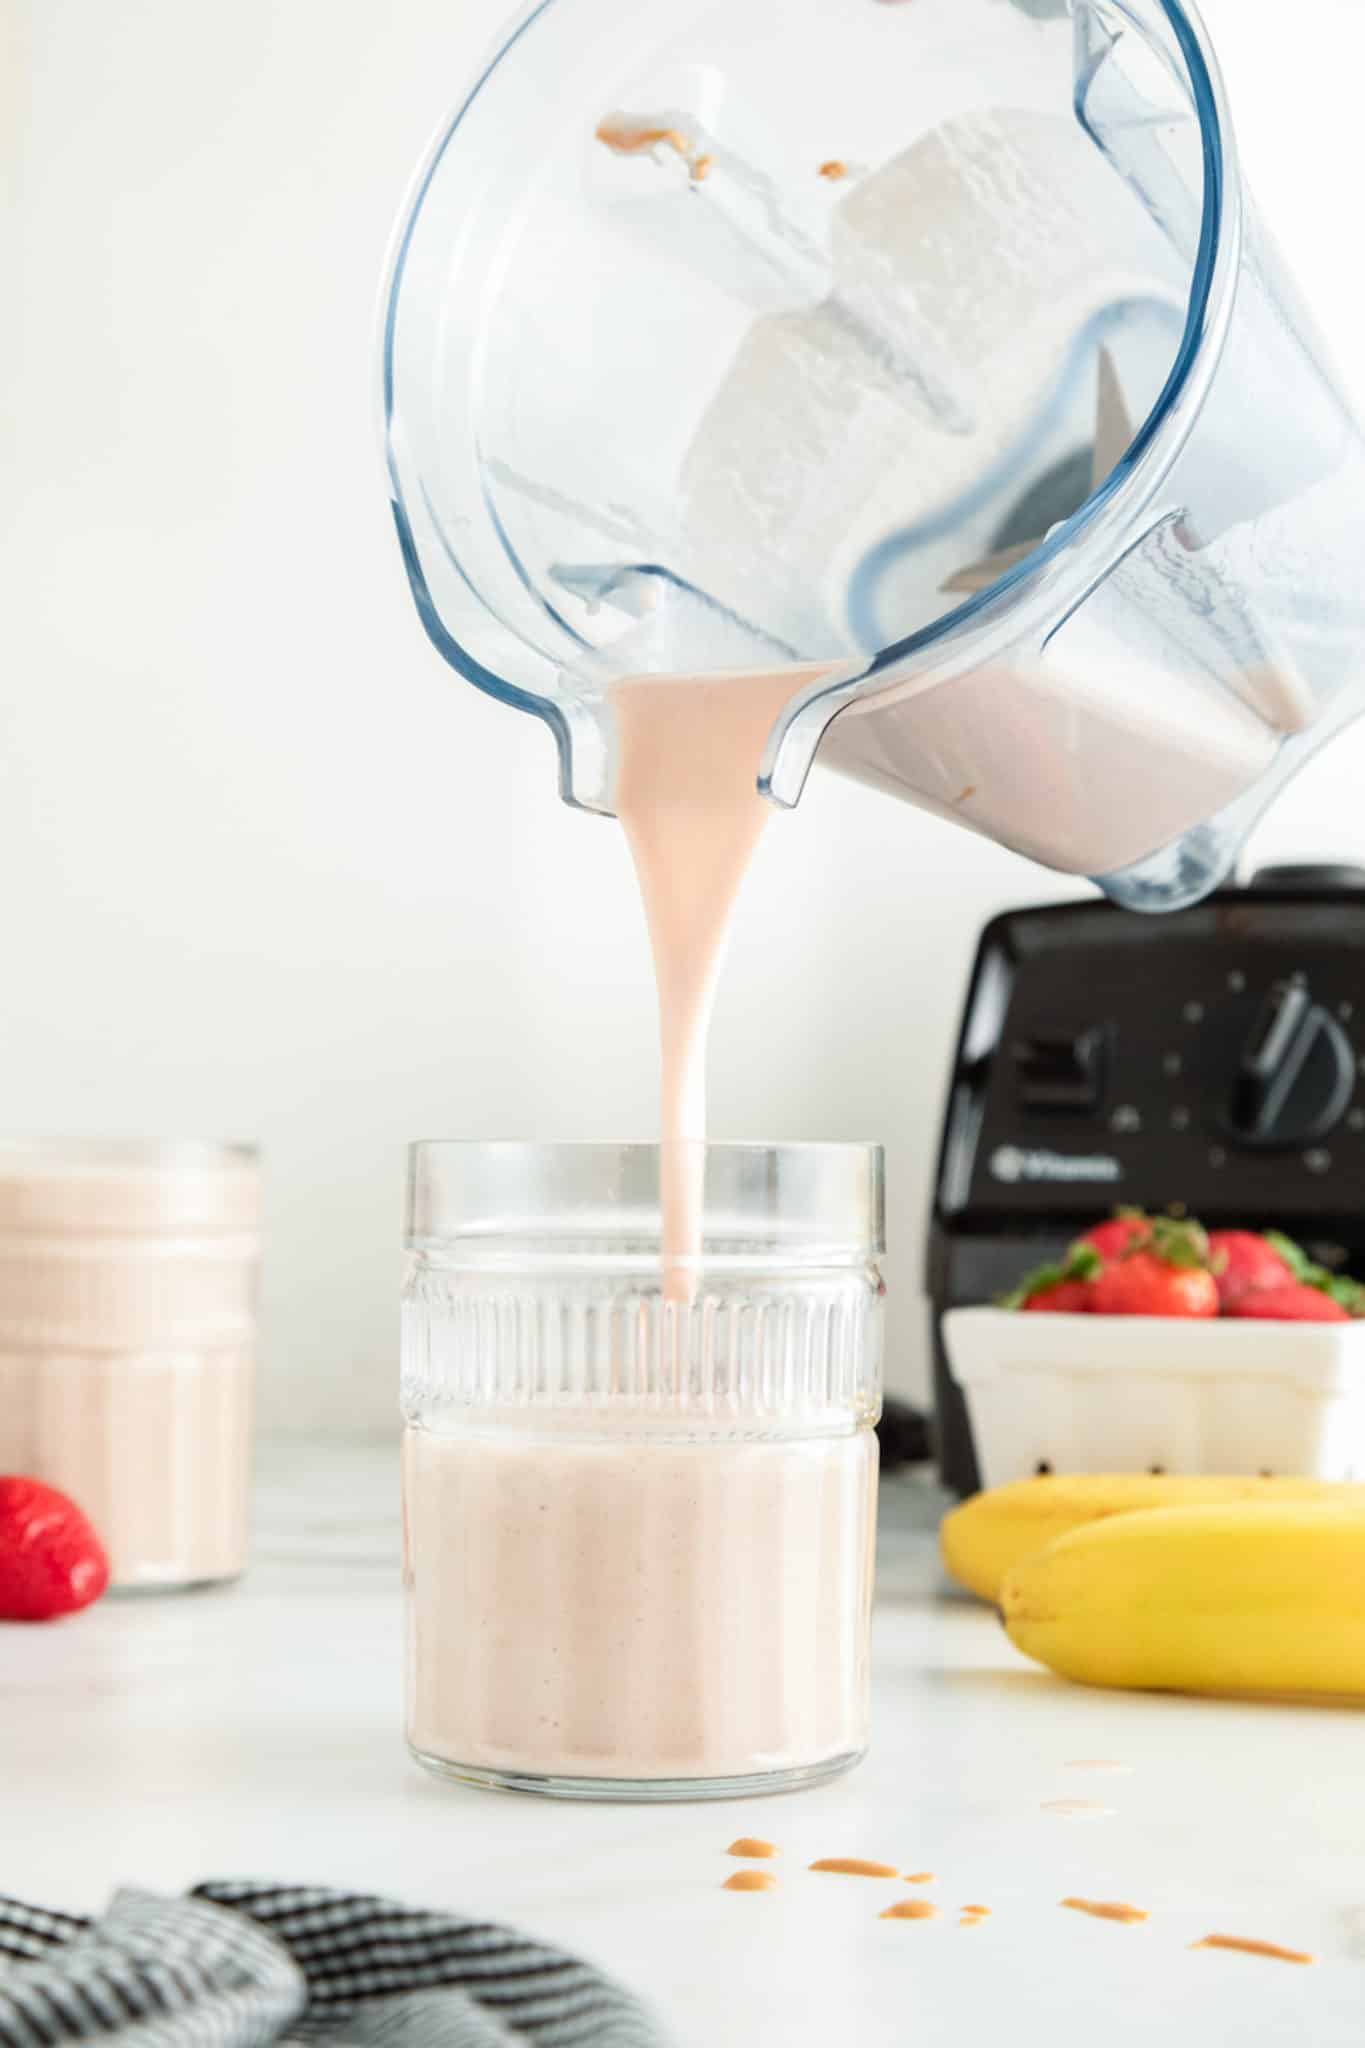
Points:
(269, 869)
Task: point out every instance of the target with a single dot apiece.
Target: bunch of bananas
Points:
(1246, 1586)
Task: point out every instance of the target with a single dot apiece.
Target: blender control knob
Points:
(1296, 1072)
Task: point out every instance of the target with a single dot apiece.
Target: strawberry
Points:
(1165, 1274)
(1145, 1284)
(1061, 1289)
(1063, 1298)
(1112, 1239)
(1243, 1262)
(51, 1560)
(1345, 1292)
(1290, 1303)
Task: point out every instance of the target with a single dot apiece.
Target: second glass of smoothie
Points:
(128, 1278)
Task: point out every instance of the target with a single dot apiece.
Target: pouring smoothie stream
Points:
(687, 796)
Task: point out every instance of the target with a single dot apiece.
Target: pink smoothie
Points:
(634, 1607)
(690, 751)
(127, 1341)
(156, 1452)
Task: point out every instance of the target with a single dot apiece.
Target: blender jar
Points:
(932, 357)
(639, 1526)
(128, 1342)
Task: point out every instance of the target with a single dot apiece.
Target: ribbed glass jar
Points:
(640, 1501)
(127, 1344)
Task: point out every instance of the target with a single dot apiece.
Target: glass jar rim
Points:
(110, 1187)
(800, 1200)
(175, 1155)
(852, 1148)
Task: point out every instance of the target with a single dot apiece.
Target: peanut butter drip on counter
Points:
(750, 1881)
(1254, 1948)
(749, 1845)
(1103, 1909)
(855, 1866)
(978, 1912)
(919, 1877)
(834, 168)
(910, 1909)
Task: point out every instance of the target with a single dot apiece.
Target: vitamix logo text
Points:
(1013, 1164)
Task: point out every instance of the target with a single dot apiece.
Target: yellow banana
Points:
(1247, 1598)
(995, 1530)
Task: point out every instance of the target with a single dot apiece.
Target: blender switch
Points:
(1060, 1073)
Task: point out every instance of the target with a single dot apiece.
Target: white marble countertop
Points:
(255, 1732)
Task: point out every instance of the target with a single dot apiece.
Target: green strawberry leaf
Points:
(1036, 1282)
(1339, 1287)
(1294, 1256)
(1082, 1262)
(1347, 1293)
(1183, 1245)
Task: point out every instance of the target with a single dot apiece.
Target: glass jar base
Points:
(637, 1791)
(156, 1589)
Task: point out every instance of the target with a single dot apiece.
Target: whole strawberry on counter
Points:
(1166, 1273)
(51, 1561)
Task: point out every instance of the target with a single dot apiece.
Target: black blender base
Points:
(905, 1436)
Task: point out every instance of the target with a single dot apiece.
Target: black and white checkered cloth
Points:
(239, 1965)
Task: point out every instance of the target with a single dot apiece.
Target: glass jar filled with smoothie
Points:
(127, 1344)
(639, 1488)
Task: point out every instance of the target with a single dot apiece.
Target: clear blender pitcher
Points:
(928, 353)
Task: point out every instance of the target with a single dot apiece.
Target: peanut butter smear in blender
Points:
(636, 135)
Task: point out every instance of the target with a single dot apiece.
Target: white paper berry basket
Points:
(1079, 1393)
